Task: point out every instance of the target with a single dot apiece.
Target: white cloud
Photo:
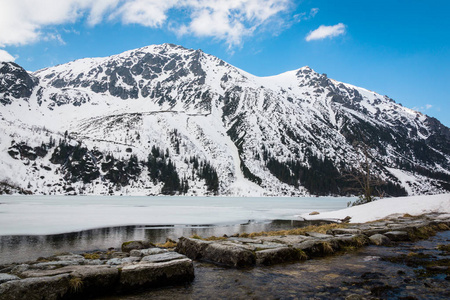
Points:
(5, 56)
(326, 32)
(26, 21)
(428, 106)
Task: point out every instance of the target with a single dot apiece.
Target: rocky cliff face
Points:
(15, 83)
(165, 119)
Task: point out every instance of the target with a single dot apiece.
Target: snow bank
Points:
(383, 208)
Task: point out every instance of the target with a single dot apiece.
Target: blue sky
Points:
(399, 48)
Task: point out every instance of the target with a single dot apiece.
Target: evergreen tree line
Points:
(77, 164)
(162, 169)
(321, 178)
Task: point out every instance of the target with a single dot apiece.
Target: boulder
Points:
(136, 245)
(379, 239)
(314, 213)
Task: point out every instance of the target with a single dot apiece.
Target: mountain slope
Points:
(165, 119)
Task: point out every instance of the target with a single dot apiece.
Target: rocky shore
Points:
(300, 244)
(140, 265)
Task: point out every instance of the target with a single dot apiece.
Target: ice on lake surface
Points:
(35, 226)
(43, 215)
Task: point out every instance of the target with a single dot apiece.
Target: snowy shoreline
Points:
(388, 207)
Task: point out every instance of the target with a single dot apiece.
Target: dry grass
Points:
(216, 238)
(302, 255)
(91, 255)
(76, 284)
(443, 226)
(167, 244)
(296, 231)
(327, 249)
(359, 241)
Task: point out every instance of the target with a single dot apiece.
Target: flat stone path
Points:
(268, 250)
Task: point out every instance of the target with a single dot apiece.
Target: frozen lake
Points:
(34, 226)
(43, 215)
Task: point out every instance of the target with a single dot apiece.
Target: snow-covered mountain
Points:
(166, 119)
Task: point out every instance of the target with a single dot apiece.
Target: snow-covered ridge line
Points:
(295, 133)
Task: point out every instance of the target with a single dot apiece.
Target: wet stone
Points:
(53, 264)
(337, 231)
(93, 262)
(245, 240)
(119, 255)
(49, 288)
(129, 260)
(162, 257)
(263, 246)
(135, 245)
(7, 277)
(145, 252)
(318, 235)
(72, 257)
(114, 261)
(287, 239)
(397, 236)
(277, 255)
(379, 239)
(146, 274)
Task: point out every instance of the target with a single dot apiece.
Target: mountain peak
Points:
(211, 128)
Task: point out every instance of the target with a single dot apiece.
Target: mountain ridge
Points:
(294, 133)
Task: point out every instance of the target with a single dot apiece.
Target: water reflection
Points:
(30, 247)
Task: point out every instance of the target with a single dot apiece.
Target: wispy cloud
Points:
(424, 107)
(324, 32)
(5, 56)
(24, 21)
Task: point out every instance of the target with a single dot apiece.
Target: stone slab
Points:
(147, 274)
(7, 277)
(38, 288)
(162, 257)
(277, 255)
